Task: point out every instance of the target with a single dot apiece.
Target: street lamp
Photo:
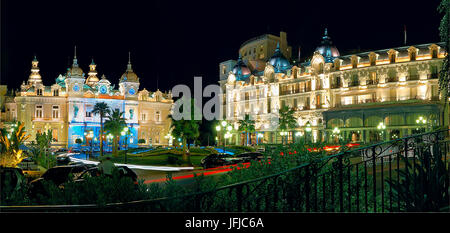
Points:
(422, 122)
(89, 136)
(170, 137)
(307, 129)
(226, 132)
(258, 137)
(109, 138)
(381, 127)
(125, 132)
(336, 132)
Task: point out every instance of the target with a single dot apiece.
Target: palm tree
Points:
(187, 130)
(115, 122)
(286, 120)
(11, 154)
(103, 109)
(247, 126)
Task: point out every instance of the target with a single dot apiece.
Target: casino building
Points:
(65, 108)
(363, 97)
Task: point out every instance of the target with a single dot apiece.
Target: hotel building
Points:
(366, 97)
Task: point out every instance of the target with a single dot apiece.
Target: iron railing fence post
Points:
(341, 185)
(374, 179)
(307, 188)
(357, 187)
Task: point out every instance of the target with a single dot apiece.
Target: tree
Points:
(102, 109)
(187, 130)
(11, 154)
(247, 126)
(115, 123)
(286, 120)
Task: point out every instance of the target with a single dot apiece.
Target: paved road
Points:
(153, 174)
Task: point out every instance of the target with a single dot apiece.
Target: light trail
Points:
(142, 167)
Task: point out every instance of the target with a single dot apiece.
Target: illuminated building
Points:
(353, 93)
(65, 108)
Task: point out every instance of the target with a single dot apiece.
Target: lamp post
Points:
(336, 132)
(125, 132)
(170, 139)
(381, 127)
(422, 124)
(109, 138)
(258, 137)
(227, 128)
(89, 136)
(307, 129)
(283, 133)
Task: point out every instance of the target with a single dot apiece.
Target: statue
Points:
(131, 114)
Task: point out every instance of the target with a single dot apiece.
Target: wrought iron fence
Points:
(367, 179)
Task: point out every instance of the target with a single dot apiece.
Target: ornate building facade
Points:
(65, 108)
(370, 96)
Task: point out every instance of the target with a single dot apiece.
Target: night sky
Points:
(173, 41)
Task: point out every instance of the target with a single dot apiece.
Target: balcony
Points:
(433, 76)
(412, 77)
(392, 79)
(371, 82)
(354, 83)
(335, 85)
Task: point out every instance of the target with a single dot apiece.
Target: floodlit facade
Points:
(364, 97)
(65, 108)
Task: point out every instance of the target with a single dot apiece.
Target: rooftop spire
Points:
(129, 62)
(75, 61)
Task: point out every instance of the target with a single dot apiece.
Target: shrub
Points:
(141, 141)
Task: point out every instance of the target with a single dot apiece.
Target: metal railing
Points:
(350, 181)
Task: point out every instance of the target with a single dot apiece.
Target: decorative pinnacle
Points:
(129, 62)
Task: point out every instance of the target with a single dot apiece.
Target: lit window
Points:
(39, 92)
(55, 111)
(38, 111)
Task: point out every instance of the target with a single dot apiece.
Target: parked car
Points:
(250, 156)
(58, 175)
(75, 150)
(63, 159)
(11, 179)
(124, 171)
(216, 160)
